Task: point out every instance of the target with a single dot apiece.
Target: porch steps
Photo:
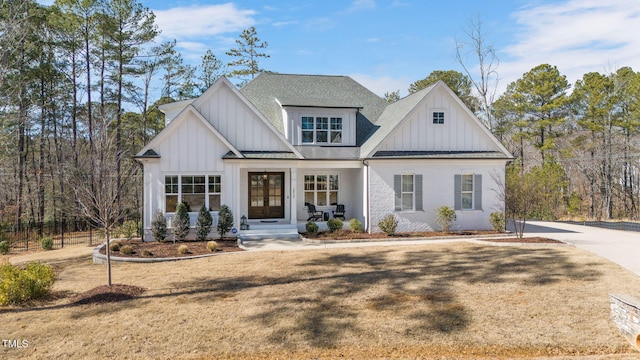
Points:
(272, 231)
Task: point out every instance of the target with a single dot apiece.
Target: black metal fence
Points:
(614, 225)
(63, 233)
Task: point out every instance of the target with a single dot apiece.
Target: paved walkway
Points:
(622, 247)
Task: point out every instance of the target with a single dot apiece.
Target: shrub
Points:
(225, 221)
(212, 246)
(312, 228)
(334, 224)
(183, 249)
(203, 224)
(181, 223)
(114, 246)
(18, 285)
(4, 247)
(445, 215)
(129, 229)
(46, 243)
(126, 249)
(388, 224)
(355, 225)
(147, 253)
(159, 226)
(497, 221)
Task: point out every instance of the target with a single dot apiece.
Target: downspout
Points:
(366, 195)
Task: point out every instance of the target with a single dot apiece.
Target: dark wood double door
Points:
(266, 195)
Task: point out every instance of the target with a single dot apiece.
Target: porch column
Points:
(293, 175)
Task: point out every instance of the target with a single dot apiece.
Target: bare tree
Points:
(96, 186)
(487, 63)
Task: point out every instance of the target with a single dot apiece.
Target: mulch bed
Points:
(350, 235)
(526, 240)
(108, 294)
(155, 249)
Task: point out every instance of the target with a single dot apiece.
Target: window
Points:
(195, 191)
(407, 192)
(214, 192)
(321, 130)
(438, 117)
(321, 190)
(171, 193)
(468, 192)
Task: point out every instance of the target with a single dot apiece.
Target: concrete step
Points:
(277, 231)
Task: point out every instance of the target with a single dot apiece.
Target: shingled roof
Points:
(269, 91)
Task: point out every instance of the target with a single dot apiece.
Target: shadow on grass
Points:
(322, 301)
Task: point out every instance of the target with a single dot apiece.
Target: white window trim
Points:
(325, 192)
(206, 189)
(470, 192)
(412, 192)
(329, 131)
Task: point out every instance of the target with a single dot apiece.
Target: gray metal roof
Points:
(440, 154)
(269, 91)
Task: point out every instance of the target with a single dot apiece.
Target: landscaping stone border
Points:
(99, 258)
(625, 314)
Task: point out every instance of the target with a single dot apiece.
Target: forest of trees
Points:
(80, 85)
(78, 100)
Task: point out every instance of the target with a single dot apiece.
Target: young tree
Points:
(180, 223)
(225, 221)
(203, 224)
(248, 55)
(95, 185)
(159, 226)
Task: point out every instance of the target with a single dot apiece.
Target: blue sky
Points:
(387, 45)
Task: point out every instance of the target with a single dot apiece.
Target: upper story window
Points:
(321, 130)
(438, 117)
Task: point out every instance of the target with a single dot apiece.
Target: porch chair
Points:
(313, 213)
(339, 212)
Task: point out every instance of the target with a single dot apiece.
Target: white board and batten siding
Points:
(238, 122)
(460, 132)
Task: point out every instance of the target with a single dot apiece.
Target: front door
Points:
(266, 195)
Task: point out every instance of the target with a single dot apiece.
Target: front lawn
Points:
(454, 300)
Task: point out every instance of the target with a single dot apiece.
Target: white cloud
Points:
(577, 36)
(358, 5)
(285, 23)
(183, 23)
(383, 84)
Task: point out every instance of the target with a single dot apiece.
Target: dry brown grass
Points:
(448, 301)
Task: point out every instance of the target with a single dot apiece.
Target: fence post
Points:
(62, 233)
(90, 235)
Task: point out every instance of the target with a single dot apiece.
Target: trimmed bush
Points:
(355, 225)
(445, 215)
(388, 224)
(183, 249)
(180, 223)
(203, 224)
(312, 228)
(129, 229)
(46, 243)
(114, 246)
(334, 224)
(497, 221)
(126, 249)
(147, 253)
(212, 246)
(159, 226)
(225, 221)
(4, 247)
(18, 286)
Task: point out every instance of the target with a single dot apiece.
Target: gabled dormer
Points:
(320, 126)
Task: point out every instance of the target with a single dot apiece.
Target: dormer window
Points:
(321, 130)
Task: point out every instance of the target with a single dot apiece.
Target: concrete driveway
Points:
(621, 247)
